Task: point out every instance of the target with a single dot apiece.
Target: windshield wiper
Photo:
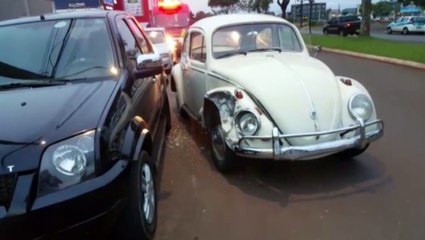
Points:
(32, 84)
(232, 54)
(266, 49)
(79, 72)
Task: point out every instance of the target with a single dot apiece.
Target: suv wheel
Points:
(140, 215)
(325, 31)
(389, 30)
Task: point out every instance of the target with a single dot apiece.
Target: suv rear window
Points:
(350, 18)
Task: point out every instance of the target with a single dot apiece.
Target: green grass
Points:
(406, 51)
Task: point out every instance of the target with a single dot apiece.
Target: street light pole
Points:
(310, 14)
(301, 14)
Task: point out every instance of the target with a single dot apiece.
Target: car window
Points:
(420, 20)
(131, 46)
(288, 39)
(197, 47)
(251, 37)
(264, 39)
(64, 49)
(144, 44)
(156, 36)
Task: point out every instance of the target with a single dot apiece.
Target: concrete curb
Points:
(377, 58)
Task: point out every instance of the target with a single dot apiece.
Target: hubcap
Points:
(218, 143)
(148, 191)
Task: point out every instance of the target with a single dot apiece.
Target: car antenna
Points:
(42, 18)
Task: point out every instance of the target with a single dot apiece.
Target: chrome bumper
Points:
(281, 152)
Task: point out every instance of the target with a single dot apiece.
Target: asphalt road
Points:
(378, 195)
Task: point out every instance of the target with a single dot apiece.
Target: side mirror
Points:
(317, 49)
(148, 65)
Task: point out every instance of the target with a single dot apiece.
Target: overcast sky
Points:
(198, 5)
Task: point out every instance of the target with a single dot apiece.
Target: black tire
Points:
(389, 30)
(167, 114)
(405, 31)
(351, 153)
(135, 224)
(224, 159)
(325, 31)
(344, 33)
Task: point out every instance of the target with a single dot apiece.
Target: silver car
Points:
(163, 46)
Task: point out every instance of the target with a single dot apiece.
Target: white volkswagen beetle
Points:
(250, 80)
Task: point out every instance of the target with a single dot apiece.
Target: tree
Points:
(382, 9)
(283, 4)
(366, 9)
(222, 6)
(199, 15)
(420, 3)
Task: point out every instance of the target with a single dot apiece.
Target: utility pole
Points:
(301, 16)
(366, 9)
(310, 14)
(27, 9)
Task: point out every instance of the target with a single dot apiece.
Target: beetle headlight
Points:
(67, 163)
(360, 106)
(247, 123)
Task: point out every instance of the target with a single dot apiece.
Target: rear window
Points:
(350, 18)
(65, 49)
(156, 36)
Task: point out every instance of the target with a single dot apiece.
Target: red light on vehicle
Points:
(348, 25)
(169, 4)
(238, 94)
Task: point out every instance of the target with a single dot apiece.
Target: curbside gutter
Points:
(377, 58)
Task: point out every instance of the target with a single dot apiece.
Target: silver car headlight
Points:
(360, 106)
(247, 123)
(67, 163)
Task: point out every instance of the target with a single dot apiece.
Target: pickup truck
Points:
(343, 25)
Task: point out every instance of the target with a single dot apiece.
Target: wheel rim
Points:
(405, 31)
(148, 190)
(218, 143)
(389, 30)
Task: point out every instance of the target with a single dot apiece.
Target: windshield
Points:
(64, 49)
(156, 36)
(180, 20)
(253, 37)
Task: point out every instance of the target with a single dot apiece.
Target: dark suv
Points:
(343, 25)
(83, 116)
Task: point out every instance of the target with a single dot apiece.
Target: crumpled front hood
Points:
(29, 116)
(299, 92)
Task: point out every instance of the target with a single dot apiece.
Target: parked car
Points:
(84, 112)
(344, 25)
(406, 25)
(249, 80)
(165, 46)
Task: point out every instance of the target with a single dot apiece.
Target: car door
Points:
(195, 71)
(142, 92)
(333, 25)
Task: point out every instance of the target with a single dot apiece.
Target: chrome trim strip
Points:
(343, 130)
(281, 152)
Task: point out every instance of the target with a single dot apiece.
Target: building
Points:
(318, 12)
(19, 8)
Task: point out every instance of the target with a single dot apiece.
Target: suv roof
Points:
(64, 15)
